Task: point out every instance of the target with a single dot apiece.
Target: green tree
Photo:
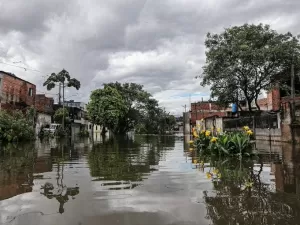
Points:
(135, 99)
(243, 61)
(106, 107)
(64, 80)
(15, 127)
(60, 115)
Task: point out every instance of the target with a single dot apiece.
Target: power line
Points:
(22, 67)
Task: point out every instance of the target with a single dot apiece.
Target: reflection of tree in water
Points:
(61, 192)
(241, 198)
(122, 159)
(16, 169)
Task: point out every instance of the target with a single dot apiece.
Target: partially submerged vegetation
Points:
(16, 126)
(216, 142)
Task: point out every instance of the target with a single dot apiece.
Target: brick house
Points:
(44, 104)
(44, 107)
(15, 93)
(204, 109)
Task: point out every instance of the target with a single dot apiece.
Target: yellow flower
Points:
(219, 130)
(202, 131)
(207, 133)
(195, 134)
(248, 184)
(246, 128)
(213, 139)
(191, 149)
(195, 161)
(191, 142)
(249, 132)
(208, 175)
(219, 175)
(215, 171)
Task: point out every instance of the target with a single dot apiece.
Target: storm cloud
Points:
(157, 43)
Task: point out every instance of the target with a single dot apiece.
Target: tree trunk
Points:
(257, 106)
(103, 132)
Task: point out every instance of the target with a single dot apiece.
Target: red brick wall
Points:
(44, 104)
(14, 91)
(201, 115)
(205, 106)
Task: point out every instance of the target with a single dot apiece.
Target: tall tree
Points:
(106, 107)
(243, 61)
(62, 78)
(135, 98)
(125, 107)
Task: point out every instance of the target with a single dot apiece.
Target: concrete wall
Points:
(268, 134)
(186, 123)
(42, 120)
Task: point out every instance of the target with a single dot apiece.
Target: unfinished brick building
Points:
(15, 93)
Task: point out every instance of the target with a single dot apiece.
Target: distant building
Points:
(44, 108)
(204, 109)
(15, 93)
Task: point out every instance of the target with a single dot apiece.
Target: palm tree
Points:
(63, 79)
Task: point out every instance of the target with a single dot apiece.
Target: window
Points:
(30, 92)
(90, 126)
(96, 127)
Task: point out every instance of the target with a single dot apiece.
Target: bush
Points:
(224, 144)
(84, 133)
(15, 127)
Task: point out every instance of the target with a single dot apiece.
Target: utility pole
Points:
(184, 108)
(293, 92)
(59, 94)
(63, 122)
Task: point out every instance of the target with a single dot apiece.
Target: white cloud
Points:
(159, 44)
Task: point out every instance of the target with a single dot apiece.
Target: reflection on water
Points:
(87, 181)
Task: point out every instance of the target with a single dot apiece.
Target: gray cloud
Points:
(159, 44)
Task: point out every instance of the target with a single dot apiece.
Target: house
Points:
(44, 108)
(15, 93)
(203, 109)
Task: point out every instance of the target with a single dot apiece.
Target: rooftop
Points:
(13, 75)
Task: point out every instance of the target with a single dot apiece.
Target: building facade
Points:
(204, 109)
(15, 93)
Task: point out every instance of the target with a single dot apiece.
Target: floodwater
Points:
(145, 181)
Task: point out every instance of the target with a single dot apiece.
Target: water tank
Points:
(234, 108)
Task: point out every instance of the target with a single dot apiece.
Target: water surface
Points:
(145, 180)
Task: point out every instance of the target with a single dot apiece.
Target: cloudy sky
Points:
(157, 43)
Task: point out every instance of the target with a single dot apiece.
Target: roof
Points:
(14, 76)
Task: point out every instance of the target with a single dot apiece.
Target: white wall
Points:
(42, 120)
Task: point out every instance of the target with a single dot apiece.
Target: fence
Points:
(262, 121)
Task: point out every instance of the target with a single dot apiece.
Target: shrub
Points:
(83, 133)
(218, 143)
(15, 127)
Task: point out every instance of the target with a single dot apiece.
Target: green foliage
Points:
(60, 114)
(224, 144)
(244, 60)
(62, 77)
(106, 107)
(125, 107)
(15, 126)
(84, 133)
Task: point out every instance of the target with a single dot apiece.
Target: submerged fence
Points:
(262, 121)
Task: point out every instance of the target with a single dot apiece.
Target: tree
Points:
(106, 107)
(243, 61)
(125, 107)
(61, 116)
(135, 99)
(63, 79)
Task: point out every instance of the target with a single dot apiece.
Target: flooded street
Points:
(145, 180)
